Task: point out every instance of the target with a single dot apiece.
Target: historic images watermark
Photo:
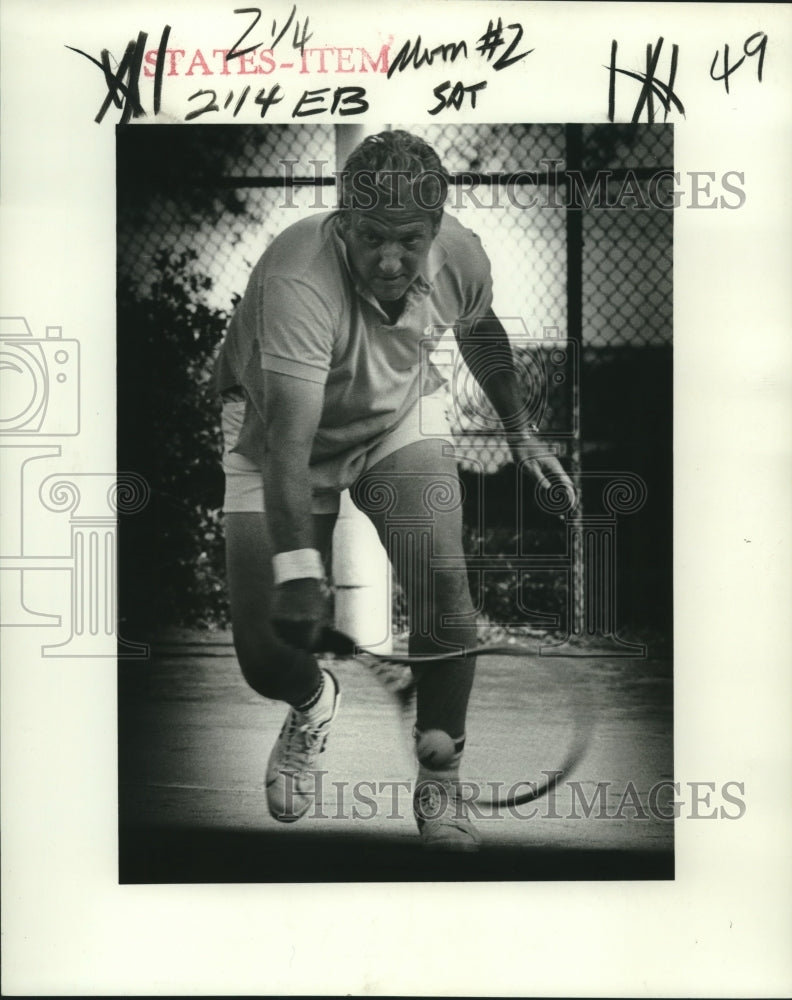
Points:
(551, 186)
(665, 800)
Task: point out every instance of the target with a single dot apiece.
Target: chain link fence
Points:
(199, 205)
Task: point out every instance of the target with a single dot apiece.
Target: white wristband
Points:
(297, 565)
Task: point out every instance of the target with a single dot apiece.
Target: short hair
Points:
(395, 165)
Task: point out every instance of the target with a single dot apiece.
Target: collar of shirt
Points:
(421, 284)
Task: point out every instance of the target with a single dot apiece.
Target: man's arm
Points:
(293, 410)
(487, 352)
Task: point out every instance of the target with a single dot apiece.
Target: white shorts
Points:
(244, 485)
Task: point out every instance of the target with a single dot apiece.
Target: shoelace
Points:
(430, 801)
(303, 744)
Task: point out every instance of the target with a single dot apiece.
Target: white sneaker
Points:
(442, 817)
(439, 807)
(291, 769)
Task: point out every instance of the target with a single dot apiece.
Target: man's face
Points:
(387, 247)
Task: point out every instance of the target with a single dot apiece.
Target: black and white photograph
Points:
(394, 575)
(444, 645)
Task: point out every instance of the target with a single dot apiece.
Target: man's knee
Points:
(419, 480)
(270, 666)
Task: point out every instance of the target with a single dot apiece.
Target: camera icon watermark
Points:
(41, 381)
(39, 400)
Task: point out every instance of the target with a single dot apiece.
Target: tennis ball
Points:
(435, 748)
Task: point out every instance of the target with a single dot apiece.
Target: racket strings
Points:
(394, 677)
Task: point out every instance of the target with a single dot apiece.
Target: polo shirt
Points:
(305, 315)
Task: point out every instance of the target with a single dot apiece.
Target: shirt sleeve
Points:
(296, 330)
(476, 280)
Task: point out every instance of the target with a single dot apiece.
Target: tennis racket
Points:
(393, 673)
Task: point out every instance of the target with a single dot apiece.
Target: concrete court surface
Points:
(194, 740)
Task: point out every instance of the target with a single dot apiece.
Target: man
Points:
(323, 390)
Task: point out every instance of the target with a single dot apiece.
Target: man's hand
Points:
(535, 457)
(300, 613)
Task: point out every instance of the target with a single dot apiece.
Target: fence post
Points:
(361, 580)
(574, 243)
